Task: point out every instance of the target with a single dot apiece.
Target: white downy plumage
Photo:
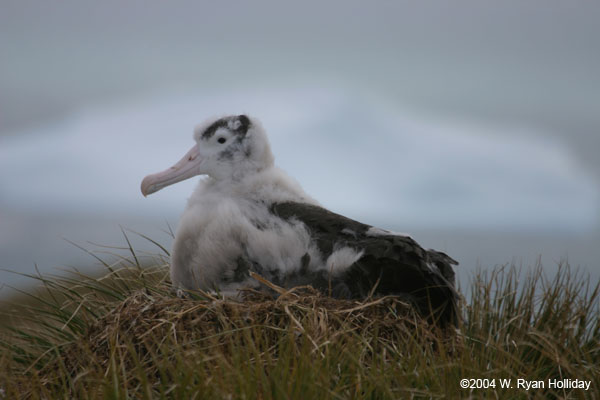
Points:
(248, 215)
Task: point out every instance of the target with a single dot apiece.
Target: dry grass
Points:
(126, 336)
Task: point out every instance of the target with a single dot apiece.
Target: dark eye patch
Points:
(244, 124)
(212, 129)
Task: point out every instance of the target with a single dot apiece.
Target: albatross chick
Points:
(247, 215)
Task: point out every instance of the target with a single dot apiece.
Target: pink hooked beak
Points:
(185, 168)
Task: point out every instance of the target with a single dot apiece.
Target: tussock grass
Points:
(125, 335)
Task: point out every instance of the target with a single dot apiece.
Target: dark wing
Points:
(392, 264)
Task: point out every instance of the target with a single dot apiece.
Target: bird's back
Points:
(389, 264)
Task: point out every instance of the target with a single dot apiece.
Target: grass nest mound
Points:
(126, 335)
(144, 322)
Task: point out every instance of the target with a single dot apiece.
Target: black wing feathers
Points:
(397, 265)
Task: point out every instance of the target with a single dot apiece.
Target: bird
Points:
(247, 216)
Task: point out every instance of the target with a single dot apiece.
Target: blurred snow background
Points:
(472, 126)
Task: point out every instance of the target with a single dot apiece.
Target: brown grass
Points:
(127, 335)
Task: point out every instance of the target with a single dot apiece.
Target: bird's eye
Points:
(221, 140)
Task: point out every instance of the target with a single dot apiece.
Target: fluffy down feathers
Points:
(248, 215)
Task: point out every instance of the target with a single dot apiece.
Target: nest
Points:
(146, 324)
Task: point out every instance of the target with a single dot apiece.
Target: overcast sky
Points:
(496, 106)
(531, 61)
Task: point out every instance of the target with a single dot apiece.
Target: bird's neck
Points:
(267, 185)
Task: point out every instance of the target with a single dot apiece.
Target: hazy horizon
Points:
(474, 125)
